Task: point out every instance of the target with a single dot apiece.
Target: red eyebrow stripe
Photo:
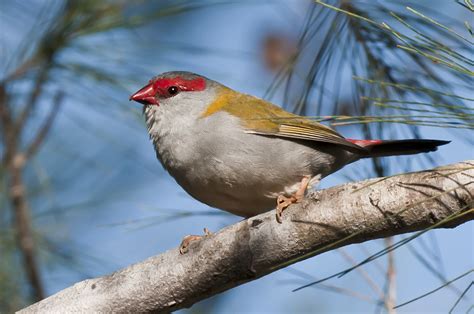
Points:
(364, 143)
(197, 84)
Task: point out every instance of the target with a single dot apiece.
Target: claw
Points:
(283, 202)
(184, 246)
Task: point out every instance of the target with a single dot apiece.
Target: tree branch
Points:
(326, 219)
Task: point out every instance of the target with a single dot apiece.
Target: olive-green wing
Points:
(263, 118)
(310, 132)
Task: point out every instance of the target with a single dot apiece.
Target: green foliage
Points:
(408, 68)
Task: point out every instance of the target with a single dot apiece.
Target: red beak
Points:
(146, 95)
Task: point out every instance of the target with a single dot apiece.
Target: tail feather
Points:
(399, 147)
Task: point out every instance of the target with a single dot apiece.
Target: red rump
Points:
(364, 143)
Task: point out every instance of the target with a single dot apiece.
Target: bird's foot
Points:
(283, 202)
(184, 246)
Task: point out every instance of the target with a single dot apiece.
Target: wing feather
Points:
(264, 118)
(310, 132)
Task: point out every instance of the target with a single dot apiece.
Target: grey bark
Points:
(325, 220)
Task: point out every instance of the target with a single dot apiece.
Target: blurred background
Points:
(81, 191)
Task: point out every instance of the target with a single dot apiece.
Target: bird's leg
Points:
(183, 247)
(283, 202)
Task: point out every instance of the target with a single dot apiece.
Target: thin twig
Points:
(22, 220)
(364, 275)
(391, 288)
(47, 124)
(34, 96)
(434, 290)
(461, 296)
(14, 162)
(8, 137)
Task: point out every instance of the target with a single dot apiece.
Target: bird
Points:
(242, 154)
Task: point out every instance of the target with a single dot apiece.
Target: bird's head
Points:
(173, 87)
(175, 101)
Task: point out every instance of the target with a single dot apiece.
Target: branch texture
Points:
(325, 220)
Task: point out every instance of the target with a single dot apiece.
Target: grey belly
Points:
(244, 174)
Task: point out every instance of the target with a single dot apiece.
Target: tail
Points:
(378, 148)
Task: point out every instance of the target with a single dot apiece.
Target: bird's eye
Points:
(173, 90)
